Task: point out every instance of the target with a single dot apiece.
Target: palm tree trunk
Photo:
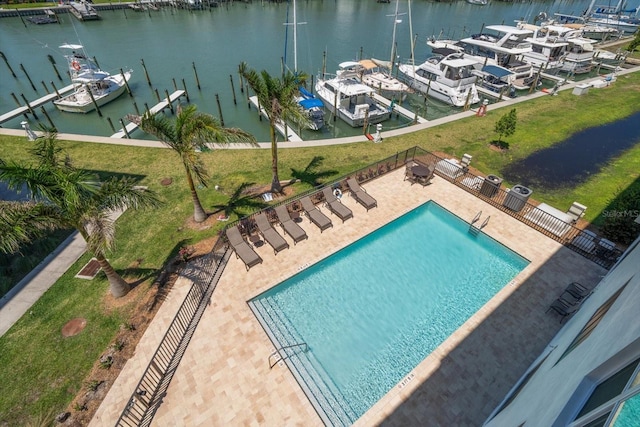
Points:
(117, 285)
(275, 181)
(199, 215)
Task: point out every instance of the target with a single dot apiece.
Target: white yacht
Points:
(375, 74)
(547, 50)
(348, 98)
(501, 45)
(446, 76)
(93, 86)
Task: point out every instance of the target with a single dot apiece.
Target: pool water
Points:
(373, 311)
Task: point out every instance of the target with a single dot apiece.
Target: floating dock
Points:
(153, 110)
(34, 104)
(280, 126)
(399, 109)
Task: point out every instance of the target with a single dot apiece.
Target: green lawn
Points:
(42, 371)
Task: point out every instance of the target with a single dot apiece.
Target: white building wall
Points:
(555, 394)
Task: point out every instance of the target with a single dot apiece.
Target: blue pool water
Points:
(373, 311)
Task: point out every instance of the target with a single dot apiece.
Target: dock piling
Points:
(53, 64)
(96, 62)
(157, 94)
(219, 110)
(126, 132)
(6, 61)
(46, 89)
(126, 84)
(146, 74)
(166, 92)
(135, 106)
(196, 73)
(113, 129)
(233, 90)
(55, 89)
(175, 86)
(15, 98)
(93, 100)
(184, 86)
(28, 77)
(23, 23)
(26, 102)
(47, 116)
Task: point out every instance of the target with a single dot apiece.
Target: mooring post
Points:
(113, 129)
(6, 61)
(55, 89)
(28, 78)
(166, 92)
(46, 89)
(135, 106)
(157, 94)
(186, 92)
(29, 106)
(233, 90)
(96, 61)
(196, 73)
(175, 86)
(124, 128)
(126, 84)
(15, 98)
(47, 116)
(53, 64)
(219, 110)
(95, 104)
(146, 109)
(146, 74)
(23, 23)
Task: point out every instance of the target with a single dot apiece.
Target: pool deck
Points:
(224, 377)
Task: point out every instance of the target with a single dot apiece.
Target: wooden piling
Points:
(146, 74)
(23, 23)
(196, 73)
(47, 116)
(55, 89)
(175, 86)
(219, 110)
(113, 129)
(146, 108)
(233, 90)
(157, 94)
(95, 104)
(15, 98)
(6, 61)
(186, 93)
(124, 128)
(53, 64)
(166, 92)
(28, 78)
(96, 62)
(135, 107)
(45, 87)
(126, 84)
(26, 102)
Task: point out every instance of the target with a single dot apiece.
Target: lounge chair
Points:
(335, 206)
(563, 309)
(272, 237)
(242, 249)
(361, 195)
(315, 216)
(408, 173)
(289, 226)
(577, 290)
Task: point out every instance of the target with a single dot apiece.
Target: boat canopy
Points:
(91, 76)
(71, 46)
(305, 93)
(444, 51)
(310, 103)
(368, 64)
(496, 71)
(349, 64)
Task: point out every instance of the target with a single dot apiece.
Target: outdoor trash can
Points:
(517, 197)
(490, 186)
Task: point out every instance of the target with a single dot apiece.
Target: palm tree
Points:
(66, 197)
(22, 222)
(189, 135)
(278, 99)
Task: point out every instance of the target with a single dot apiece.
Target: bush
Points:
(619, 217)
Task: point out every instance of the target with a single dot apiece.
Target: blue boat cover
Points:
(496, 70)
(310, 103)
(305, 93)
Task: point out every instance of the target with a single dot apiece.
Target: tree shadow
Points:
(310, 175)
(501, 145)
(241, 201)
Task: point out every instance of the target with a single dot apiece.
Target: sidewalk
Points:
(22, 296)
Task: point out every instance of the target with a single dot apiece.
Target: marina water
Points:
(177, 44)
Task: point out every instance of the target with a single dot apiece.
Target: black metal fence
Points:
(147, 397)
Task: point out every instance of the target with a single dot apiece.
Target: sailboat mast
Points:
(413, 62)
(295, 39)
(393, 39)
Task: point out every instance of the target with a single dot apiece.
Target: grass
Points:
(42, 371)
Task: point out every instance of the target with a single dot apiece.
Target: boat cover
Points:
(496, 71)
(310, 103)
(305, 93)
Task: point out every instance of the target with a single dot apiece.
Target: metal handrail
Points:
(277, 352)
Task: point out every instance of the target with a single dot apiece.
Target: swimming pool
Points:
(371, 312)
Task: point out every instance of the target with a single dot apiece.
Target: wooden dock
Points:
(290, 135)
(83, 11)
(122, 133)
(34, 104)
(399, 108)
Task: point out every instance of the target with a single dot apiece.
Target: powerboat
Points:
(547, 50)
(375, 74)
(495, 80)
(446, 76)
(351, 100)
(313, 108)
(92, 86)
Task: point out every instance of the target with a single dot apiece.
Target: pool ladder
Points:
(475, 230)
(279, 357)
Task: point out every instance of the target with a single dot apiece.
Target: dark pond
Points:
(574, 160)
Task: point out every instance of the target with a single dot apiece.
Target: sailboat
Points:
(378, 74)
(310, 104)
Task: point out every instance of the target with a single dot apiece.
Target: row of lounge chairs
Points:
(570, 300)
(248, 255)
